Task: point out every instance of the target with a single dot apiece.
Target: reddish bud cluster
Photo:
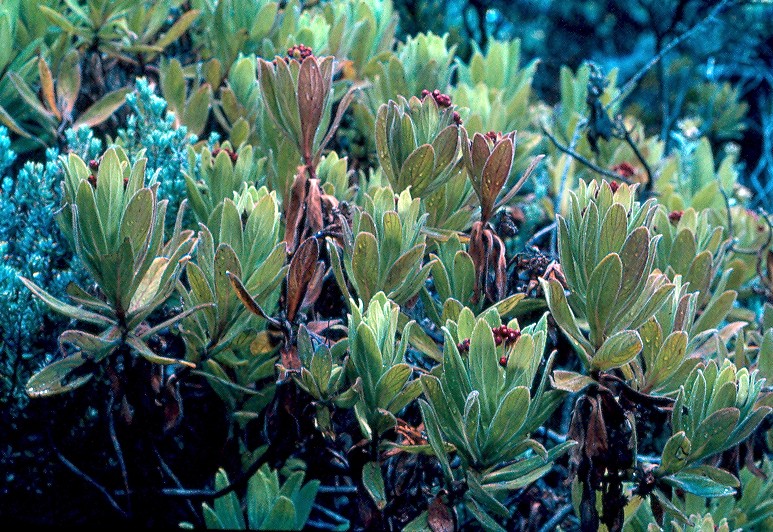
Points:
(231, 154)
(457, 119)
(502, 335)
(624, 169)
(614, 185)
(299, 52)
(94, 167)
(503, 361)
(442, 100)
(493, 136)
(675, 216)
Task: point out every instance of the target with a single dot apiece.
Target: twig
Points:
(330, 513)
(559, 516)
(551, 434)
(338, 489)
(539, 234)
(240, 481)
(560, 193)
(629, 140)
(631, 84)
(590, 164)
(321, 525)
(72, 467)
(170, 474)
(731, 233)
(118, 451)
(761, 252)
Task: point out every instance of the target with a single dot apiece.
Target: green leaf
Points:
(147, 353)
(435, 438)
(364, 261)
(227, 507)
(63, 308)
(699, 485)
(488, 523)
(94, 346)
(603, 288)
(197, 109)
(508, 304)
(374, 484)
(713, 432)
(669, 357)
(150, 284)
(417, 170)
(391, 383)
(716, 311)
(7, 120)
(508, 419)
(675, 453)
(669, 506)
(282, 515)
(57, 19)
(569, 381)
(102, 109)
(559, 308)
(422, 341)
(211, 519)
(618, 350)
(53, 379)
(178, 28)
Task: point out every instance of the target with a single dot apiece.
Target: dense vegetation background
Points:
(284, 264)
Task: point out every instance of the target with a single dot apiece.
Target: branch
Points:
(117, 447)
(631, 84)
(240, 481)
(91, 481)
(629, 140)
(559, 516)
(590, 164)
(170, 474)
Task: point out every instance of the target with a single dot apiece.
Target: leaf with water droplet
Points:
(53, 379)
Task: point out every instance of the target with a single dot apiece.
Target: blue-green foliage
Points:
(151, 132)
(83, 142)
(30, 245)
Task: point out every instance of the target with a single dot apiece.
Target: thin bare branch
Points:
(631, 84)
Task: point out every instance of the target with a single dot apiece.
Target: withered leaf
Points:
(302, 270)
(311, 100)
(596, 441)
(480, 154)
(440, 517)
(495, 174)
(294, 209)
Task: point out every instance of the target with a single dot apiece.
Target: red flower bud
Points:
(675, 216)
(442, 100)
(503, 361)
(624, 169)
(299, 52)
(493, 136)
